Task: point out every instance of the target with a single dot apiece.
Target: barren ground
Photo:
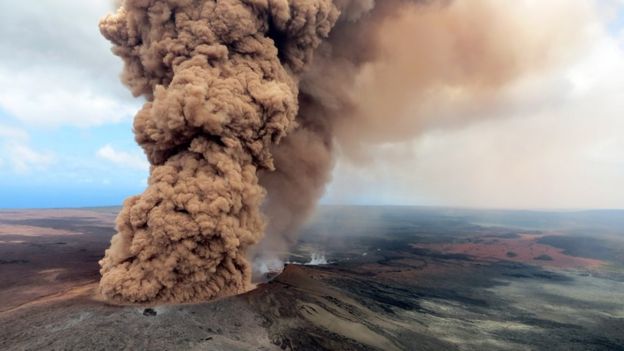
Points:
(397, 279)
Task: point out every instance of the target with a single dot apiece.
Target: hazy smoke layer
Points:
(226, 80)
(393, 69)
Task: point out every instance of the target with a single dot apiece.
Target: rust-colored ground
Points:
(524, 249)
(47, 254)
(29, 230)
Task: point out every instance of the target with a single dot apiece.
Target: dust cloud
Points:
(248, 102)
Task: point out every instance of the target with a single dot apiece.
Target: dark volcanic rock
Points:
(150, 312)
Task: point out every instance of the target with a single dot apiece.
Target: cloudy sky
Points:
(66, 139)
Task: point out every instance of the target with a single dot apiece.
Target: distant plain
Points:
(397, 278)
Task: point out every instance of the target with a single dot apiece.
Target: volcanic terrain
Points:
(396, 278)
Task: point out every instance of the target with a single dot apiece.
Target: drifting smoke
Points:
(237, 108)
(392, 70)
(316, 259)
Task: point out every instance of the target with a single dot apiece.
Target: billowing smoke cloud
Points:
(238, 110)
(221, 79)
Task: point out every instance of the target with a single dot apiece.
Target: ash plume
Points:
(248, 103)
(221, 80)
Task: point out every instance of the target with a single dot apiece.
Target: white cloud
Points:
(12, 133)
(123, 159)
(33, 100)
(17, 153)
(25, 159)
(56, 67)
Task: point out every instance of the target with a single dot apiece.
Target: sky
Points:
(66, 127)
